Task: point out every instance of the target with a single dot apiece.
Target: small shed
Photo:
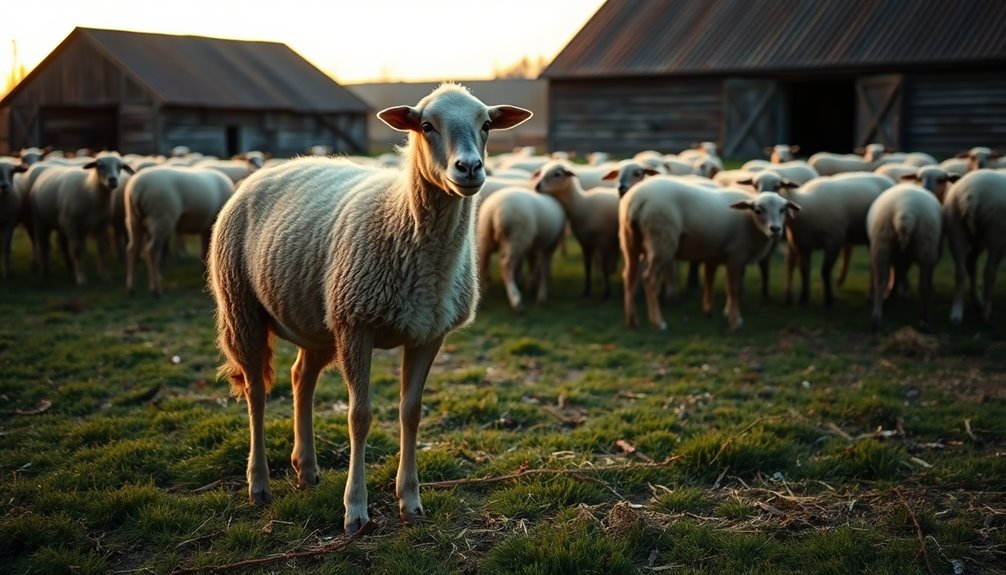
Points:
(146, 93)
(920, 75)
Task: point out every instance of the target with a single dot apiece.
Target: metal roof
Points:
(678, 37)
(198, 71)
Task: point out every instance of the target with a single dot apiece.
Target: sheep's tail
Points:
(905, 223)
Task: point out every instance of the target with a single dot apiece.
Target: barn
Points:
(926, 75)
(146, 93)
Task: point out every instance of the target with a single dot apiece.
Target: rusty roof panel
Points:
(668, 37)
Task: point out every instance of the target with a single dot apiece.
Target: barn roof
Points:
(679, 37)
(207, 72)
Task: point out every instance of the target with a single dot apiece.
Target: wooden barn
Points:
(146, 93)
(919, 75)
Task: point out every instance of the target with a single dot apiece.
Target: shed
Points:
(920, 75)
(146, 93)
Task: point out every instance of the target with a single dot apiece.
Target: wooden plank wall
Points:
(625, 116)
(949, 112)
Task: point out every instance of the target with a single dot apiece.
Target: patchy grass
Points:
(803, 444)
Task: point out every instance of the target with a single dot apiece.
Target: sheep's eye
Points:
(486, 125)
(427, 127)
(636, 174)
(758, 210)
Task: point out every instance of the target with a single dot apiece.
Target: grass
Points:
(802, 444)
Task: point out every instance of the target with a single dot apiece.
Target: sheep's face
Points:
(449, 129)
(7, 171)
(30, 156)
(769, 181)
(933, 179)
(554, 179)
(769, 211)
(107, 168)
(705, 167)
(782, 153)
(629, 174)
(873, 152)
(978, 157)
(706, 147)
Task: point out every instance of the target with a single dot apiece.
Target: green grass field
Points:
(802, 444)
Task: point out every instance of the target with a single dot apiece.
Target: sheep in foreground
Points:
(904, 227)
(340, 259)
(165, 200)
(76, 202)
(833, 216)
(593, 217)
(665, 219)
(973, 213)
(10, 209)
(520, 225)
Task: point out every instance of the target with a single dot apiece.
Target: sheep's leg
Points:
(972, 266)
(630, 277)
(544, 271)
(354, 352)
(991, 268)
(830, 255)
(692, 282)
(101, 241)
(880, 267)
(486, 249)
(735, 277)
(41, 250)
(958, 250)
(75, 247)
(588, 262)
(651, 287)
(156, 240)
(509, 265)
(607, 268)
(843, 270)
(707, 290)
(791, 260)
(133, 248)
(416, 364)
(304, 376)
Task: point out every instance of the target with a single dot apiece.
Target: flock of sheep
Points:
(657, 209)
(340, 256)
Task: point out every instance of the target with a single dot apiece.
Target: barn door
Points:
(878, 110)
(752, 118)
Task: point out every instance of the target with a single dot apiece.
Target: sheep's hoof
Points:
(260, 498)
(308, 478)
(413, 517)
(359, 525)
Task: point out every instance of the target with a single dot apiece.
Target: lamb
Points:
(77, 202)
(519, 224)
(165, 200)
(973, 212)
(593, 217)
(340, 259)
(665, 219)
(904, 226)
(833, 215)
(10, 209)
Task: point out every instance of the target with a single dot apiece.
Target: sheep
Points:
(974, 159)
(593, 217)
(77, 202)
(833, 215)
(628, 173)
(253, 157)
(904, 226)
(519, 224)
(917, 159)
(973, 211)
(236, 170)
(865, 160)
(340, 259)
(165, 200)
(10, 209)
(895, 171)
(30, 156)
(662, 219)
(778, 154)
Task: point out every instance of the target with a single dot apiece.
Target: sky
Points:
(356, 41)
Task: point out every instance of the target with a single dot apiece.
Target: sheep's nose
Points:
(774, 229)
(112, 183)
(622, 190)
(468, 167)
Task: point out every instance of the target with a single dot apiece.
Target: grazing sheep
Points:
(904, 227)
(593, 217)
(165, 200)
(10, 209)
(76, 202)
(665, 219)
(339, 259)
(973, 213)
(519, 224)
(833, 215)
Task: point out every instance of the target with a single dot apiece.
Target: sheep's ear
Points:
(90, 165)
(20, 168)
(909, 178)
(746, 182)
(788, 184)
(610, 175)
(505, 117)
(744, 205)
(127, 168)
(793, 208)
(795, 148)
(568, 173)
(536, 173)
(953, 177)
(401, 118)
(650, 171)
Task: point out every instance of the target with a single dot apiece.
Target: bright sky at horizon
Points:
(373, 40)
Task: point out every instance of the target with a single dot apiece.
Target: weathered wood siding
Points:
(946, 113)
(622, 116)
